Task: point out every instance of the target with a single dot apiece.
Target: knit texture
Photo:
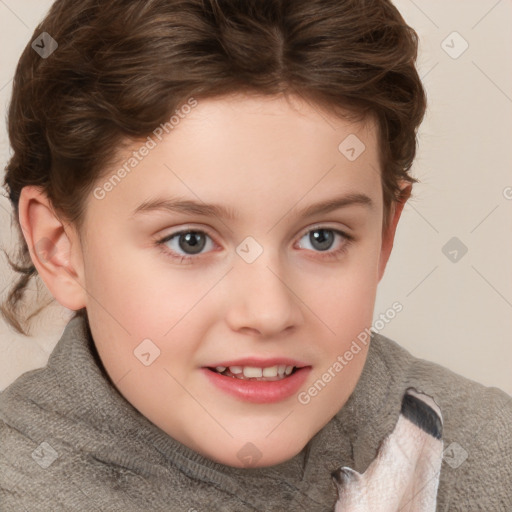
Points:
(69, 441)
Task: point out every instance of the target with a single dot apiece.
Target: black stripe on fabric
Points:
(422, 415)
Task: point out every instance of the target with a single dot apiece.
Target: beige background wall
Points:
(457, 313)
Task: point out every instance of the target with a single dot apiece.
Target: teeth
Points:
(251, 372)
(271, 371)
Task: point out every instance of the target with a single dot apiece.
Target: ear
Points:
(388, 236)
(54, 248)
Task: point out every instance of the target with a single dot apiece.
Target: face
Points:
(254, 277)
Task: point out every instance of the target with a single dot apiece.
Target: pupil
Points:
(319, 236)
(194, 240)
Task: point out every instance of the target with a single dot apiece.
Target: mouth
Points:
(258, 381)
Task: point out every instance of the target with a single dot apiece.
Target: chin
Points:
(254, 454)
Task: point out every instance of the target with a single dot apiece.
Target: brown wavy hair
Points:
(122, 67)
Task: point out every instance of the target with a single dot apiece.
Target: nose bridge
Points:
(263, 300)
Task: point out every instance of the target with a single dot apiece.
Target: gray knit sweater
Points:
(69, 441)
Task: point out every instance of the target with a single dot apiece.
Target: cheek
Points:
(345, 295)
(132, 299)
(345, 308)
(148, 299)
(137, 287)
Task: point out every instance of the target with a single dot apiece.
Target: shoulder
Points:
(51, 466)
(18, 476)
(476, 471)
(464, 400)
(23, 456)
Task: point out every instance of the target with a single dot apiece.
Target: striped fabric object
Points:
(405, 474)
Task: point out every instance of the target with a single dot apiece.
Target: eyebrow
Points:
(187, 206)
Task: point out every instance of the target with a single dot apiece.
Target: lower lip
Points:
(258, 391)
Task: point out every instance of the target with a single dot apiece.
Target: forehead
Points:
(248, 152)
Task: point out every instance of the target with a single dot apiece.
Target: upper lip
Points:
(260, 363)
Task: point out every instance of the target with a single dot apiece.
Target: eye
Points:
(191, 242)
(323, 238)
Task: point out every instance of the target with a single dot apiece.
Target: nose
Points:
(261, 298)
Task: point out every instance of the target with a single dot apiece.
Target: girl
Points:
(213, 186)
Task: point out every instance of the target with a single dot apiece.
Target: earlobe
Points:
(388, 236)
(51, 249)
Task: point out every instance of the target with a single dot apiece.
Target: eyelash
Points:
(349, 239)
